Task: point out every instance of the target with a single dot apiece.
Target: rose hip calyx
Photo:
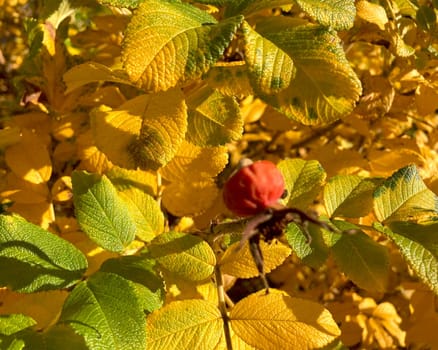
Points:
(253, 188)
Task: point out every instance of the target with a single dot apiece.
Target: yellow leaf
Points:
(124, 179)
(62, 189)
(92, 159)
(187, 324)
(195, 163)
(426, 99)
(145, 131)
(240, 263)
(21, 191)
(29, 159)
(230, 78)
(189, 198)
(278, 321)
(43, 307)
(372, 13)
(68, 126)
(9, 137)
(41, 214)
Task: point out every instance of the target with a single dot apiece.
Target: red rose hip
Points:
(253, 188)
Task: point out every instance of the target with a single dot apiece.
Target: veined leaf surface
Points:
(34, 259)
(101, 213)
(144, 132)
(186, 324)
(278, 321)
(404, 196)
(324, 88)
(106, 311)
(169, 42)
(338, 14)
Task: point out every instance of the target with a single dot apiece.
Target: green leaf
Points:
(362, 259)
(10, 324)
(105, 310)
(187, 256)
(144, 132)
(324, 87)
(132, 4)
(146, 213)
(303, 181)
(426, 18)
(147, 283)
(33, 259)
(187, 324)
(349, 195)
(57, 337)
(338, 14)
(168, 43)
(271, 69)
(404, 196)
(313, 253)
(213, 119)
(101, 213)
(419, 246)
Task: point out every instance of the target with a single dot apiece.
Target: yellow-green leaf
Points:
(92, 72)
(169, 42)
(338, 14)
(349, 196)
(230, 78)
(188, 198)
(193, 163)
(187, 256)
(213, 119)
(278, 321)
(405, 197)
(324, 88)
(271, 69)
(145, 131)
(303, 181)
(240, 263)
(187, 324)
(146, 213)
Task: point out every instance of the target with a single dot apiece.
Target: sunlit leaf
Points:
(101, 213)
(193, 163)
(248, 7)
(271, 69)
(278, 321)
(168, 43)
(190, 198)
(187, 324)
(145, 131)
(303, 181)
(92, 72)
(239, 262)
(10, 324)
(148, 284)
(418, 245)
(106, 311)
(213, 119)
(122, 3)
(30, 159)
(324, 88)
(146, 213)
(363, 260)
(187, 256)
(338, 14)
(34, 259)
(309, 246)
(349, 195)
(373, 13)
(404, 196)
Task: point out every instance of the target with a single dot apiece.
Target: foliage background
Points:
(50, 127)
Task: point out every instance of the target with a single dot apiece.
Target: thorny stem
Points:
(222, 306)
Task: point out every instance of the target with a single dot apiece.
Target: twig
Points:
(222, 306)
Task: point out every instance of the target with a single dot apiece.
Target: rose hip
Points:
(253, 188)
